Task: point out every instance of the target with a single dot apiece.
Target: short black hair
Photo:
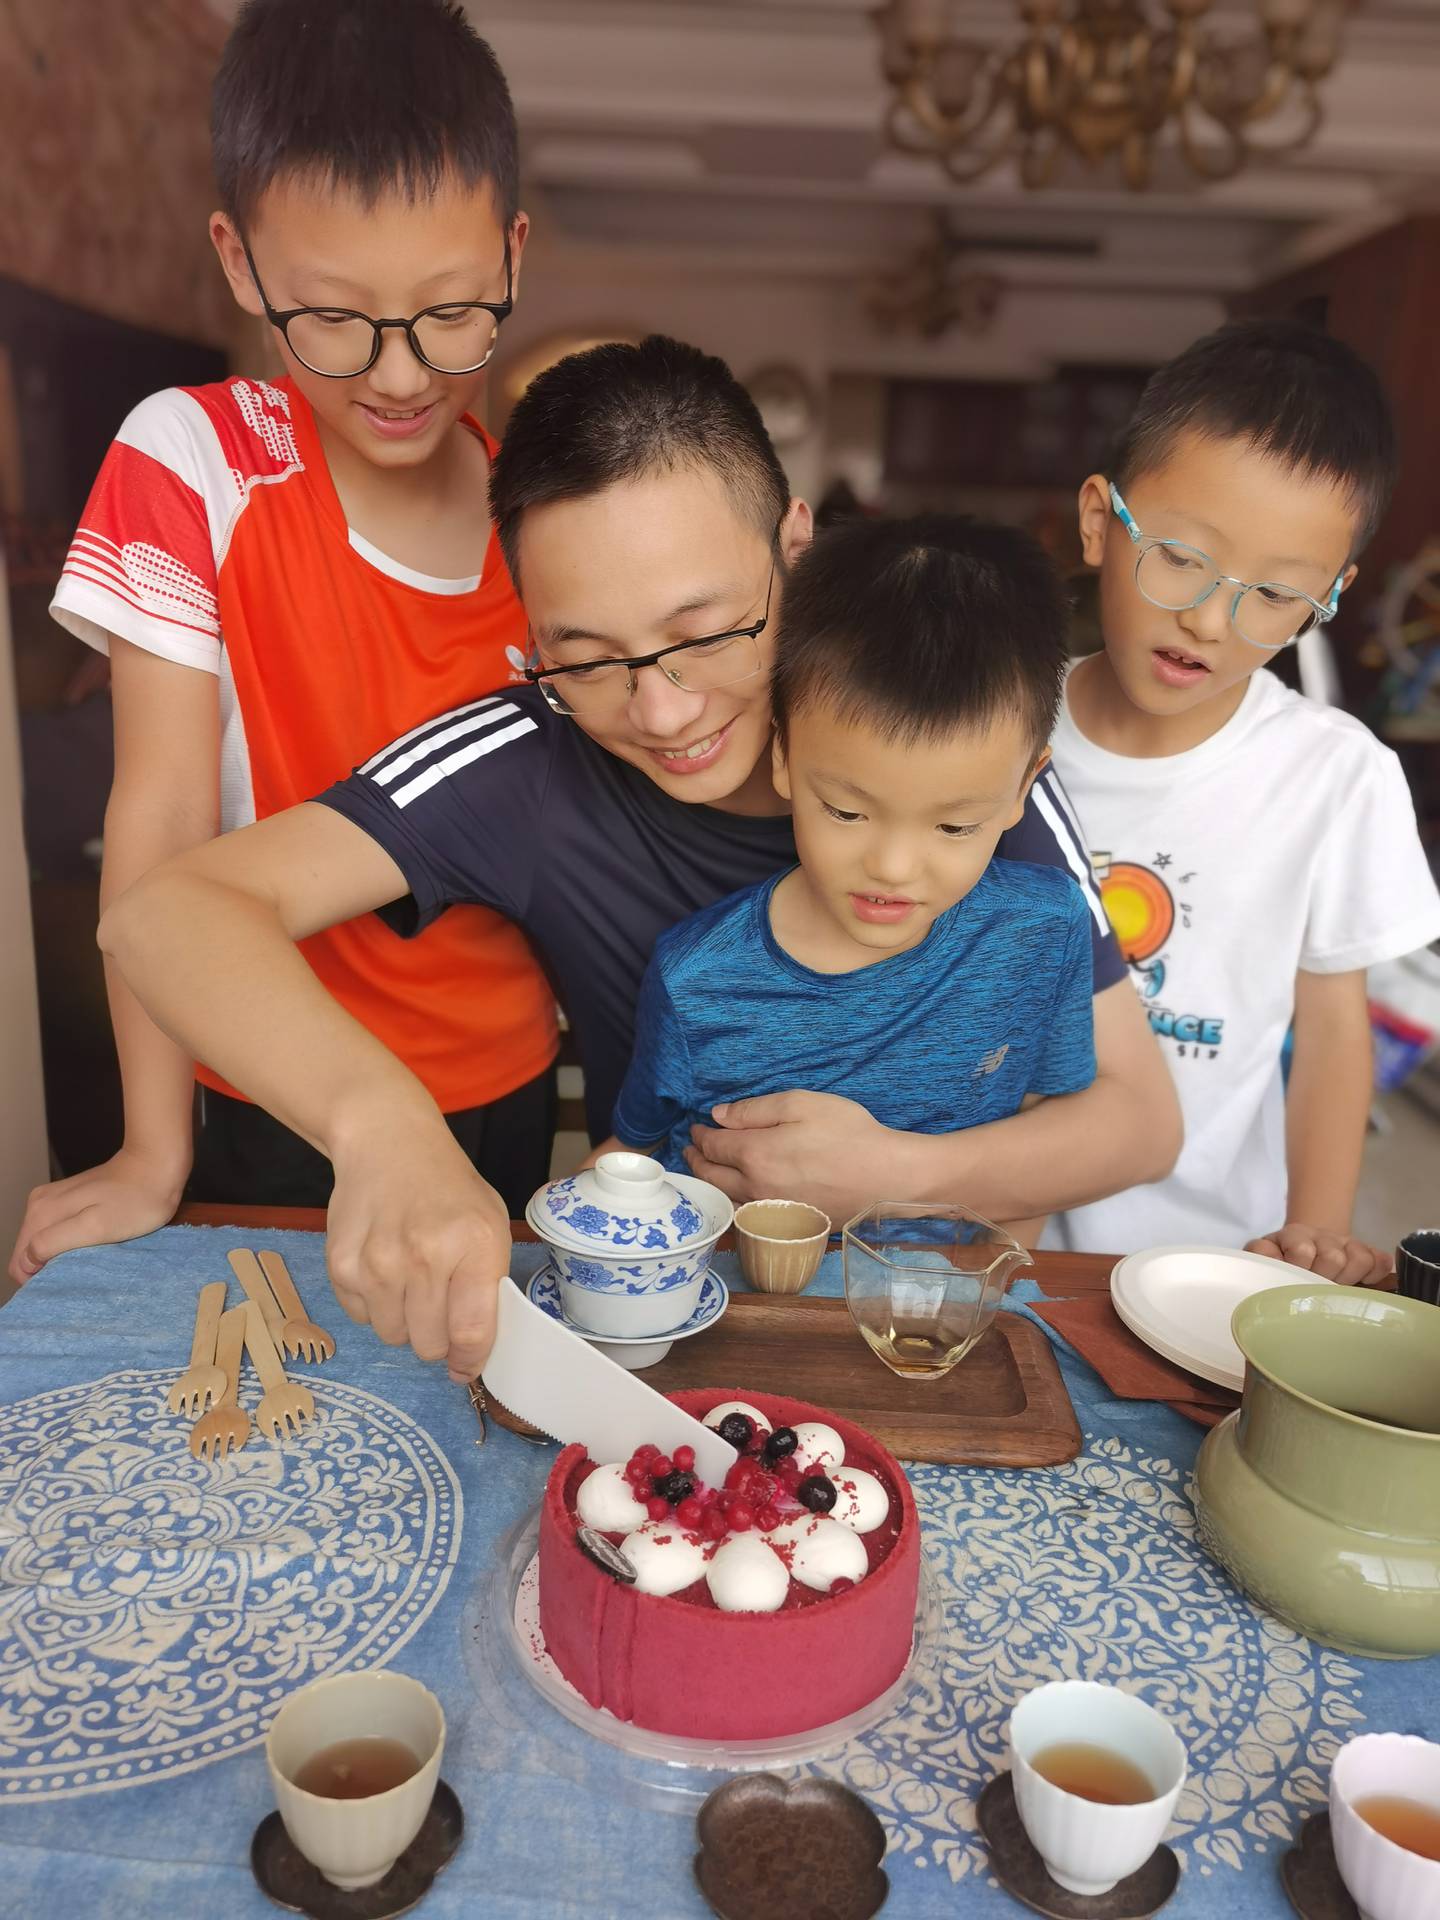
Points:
(365, 94)
(623, 412)
(923, 627)
(1286, 389)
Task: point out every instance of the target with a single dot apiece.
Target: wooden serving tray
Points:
(1005, 1405)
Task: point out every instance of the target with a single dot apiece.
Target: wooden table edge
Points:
(1060, 1276)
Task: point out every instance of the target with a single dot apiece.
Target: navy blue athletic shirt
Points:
(505, 804)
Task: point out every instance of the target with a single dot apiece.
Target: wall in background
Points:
(107, 162)
(820, 328)
(24, 1160)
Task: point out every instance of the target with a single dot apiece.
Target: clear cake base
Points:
(506, 1658)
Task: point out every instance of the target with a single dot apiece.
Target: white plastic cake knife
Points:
(557, 1381)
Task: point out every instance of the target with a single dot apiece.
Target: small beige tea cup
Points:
(781, 1243)
(354, 1843)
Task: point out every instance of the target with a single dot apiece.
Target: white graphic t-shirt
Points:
(1286, 841)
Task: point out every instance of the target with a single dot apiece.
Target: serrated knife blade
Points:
(551, 1377)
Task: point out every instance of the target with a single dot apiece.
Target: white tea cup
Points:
(1386, 1881)
(354, 1843)
(1086, 1845)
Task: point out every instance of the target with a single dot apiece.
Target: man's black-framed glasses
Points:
(338, 343)
(696, 666)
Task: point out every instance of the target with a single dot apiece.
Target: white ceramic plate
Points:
(1179, 1300)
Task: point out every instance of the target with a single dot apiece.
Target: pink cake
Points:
(763, 1617)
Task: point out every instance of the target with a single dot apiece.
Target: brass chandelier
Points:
(1106, 77)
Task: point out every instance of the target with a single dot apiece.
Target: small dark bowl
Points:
(1417, 1265)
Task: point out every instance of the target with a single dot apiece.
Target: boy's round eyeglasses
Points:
(338, 343)
(696, 666)
(1175, 576)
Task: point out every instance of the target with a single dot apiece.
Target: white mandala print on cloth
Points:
(155, 1609)
(1091, 1571)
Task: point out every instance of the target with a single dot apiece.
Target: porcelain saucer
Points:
(633, 1351)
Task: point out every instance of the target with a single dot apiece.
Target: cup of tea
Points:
(354, 1761)
(1096, 1774)
(781, 1243)
(923, 1281)
(1385, 1824)
(1417, 1265)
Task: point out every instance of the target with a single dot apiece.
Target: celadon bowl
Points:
(1321, 1495)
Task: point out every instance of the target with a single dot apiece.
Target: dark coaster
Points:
(288, 1877)
(1311, 1877)
(772, 1851)
(1021, 1871)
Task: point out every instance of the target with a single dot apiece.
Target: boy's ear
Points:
(226, 242)
(1042, 760)
(779, 768)
(1094, 504)
(797, 530)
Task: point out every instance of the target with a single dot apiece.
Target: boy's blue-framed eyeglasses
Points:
(1175, 576)
(338, 343)
(696, 666)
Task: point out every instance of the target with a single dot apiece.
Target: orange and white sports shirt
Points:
(214, 537)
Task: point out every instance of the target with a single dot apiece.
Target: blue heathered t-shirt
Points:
(993, 1004)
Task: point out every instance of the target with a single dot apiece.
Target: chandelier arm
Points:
(1313, 117)
(1184, 70)
(1075, 59)
(963, 168)
(1034, 93)
(1207, 165)
(916, 98)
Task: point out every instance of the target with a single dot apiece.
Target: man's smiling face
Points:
(643, 565)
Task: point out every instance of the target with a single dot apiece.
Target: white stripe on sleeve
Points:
(1057, 817)
(462, 757)
(422, 750)
(435, 720)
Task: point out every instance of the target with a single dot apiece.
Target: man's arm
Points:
(164, 799)
(1121, 1131)
(1326, 1109)
(417, 1240)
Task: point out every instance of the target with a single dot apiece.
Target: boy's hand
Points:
(129, 1194)
(816, 1147)
(1330, 1255)
(417, 1244)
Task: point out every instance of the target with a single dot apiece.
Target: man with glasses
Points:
(650, 530)
(288, 573)
(1257, 852)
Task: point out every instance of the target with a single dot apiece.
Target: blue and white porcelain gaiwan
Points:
(631, 1243)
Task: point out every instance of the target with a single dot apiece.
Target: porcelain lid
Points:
(624, 1202)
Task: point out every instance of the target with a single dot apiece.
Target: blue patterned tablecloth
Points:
(155, 1610)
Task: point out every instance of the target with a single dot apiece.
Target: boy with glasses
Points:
(286, 575)
(1256, 852)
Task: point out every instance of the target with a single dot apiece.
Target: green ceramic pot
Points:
(1321, 1495)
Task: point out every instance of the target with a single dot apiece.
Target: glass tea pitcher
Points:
(923, 1281)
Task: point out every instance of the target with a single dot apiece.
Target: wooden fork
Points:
(202, 1380)
(247, 1270)
(227, 1425)
(284, 1406)
(299, 1337)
